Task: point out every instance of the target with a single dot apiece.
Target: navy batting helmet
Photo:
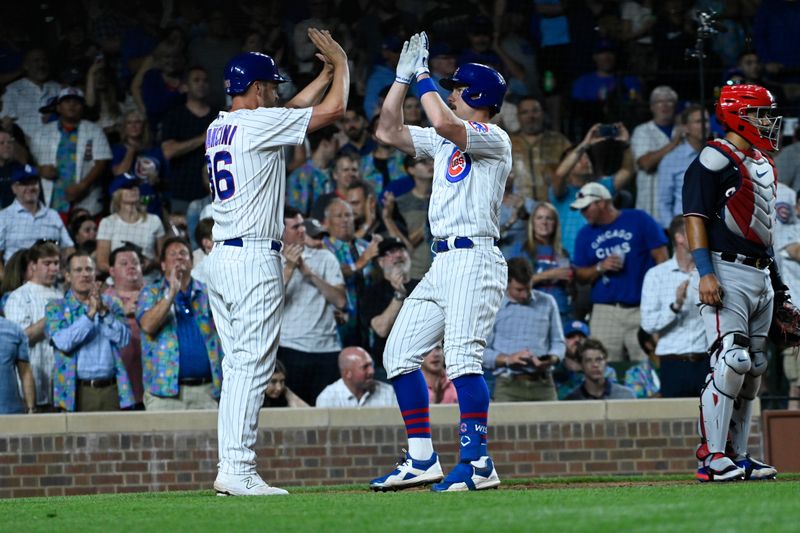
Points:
(248, 67)
(484, 86)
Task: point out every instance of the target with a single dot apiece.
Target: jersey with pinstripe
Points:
(468, 185)
(244, 153)
(458, 298)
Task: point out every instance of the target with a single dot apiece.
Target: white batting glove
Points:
(406, 65)
(421, 65)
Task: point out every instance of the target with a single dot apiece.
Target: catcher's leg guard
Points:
(730, 363)
(743, 406)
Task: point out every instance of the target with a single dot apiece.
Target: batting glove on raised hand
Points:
(406, 65)
(421, 65)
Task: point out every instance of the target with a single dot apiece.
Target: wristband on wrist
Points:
(425, 85)
(702, 260)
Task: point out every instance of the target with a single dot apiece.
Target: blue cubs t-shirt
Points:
(633, 234)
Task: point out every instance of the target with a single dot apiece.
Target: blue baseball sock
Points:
(473, 401)
(412, 396)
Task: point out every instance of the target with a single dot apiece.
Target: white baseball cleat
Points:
(244, 485)
(719, 468)
(409, 473)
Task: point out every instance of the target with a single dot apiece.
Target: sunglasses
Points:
(39, 242)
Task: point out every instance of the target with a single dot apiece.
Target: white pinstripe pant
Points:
(457, 300)
(245, 289)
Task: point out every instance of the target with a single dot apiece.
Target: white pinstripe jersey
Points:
(467, 186)
(244, 154)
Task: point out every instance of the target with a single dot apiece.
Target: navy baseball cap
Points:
(124, 181)
(393, 43)
(314, 229)
(604, 45)
(576, 326)
(441, 49)
(24, 173)
(388, 244)
(480, 25)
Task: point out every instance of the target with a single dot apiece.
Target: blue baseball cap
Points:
(441, 49)
(124, 181)
(24, 173)
(576, 326)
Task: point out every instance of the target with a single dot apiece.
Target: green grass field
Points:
(598, 504)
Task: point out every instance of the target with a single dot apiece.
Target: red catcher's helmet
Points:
(749, 110)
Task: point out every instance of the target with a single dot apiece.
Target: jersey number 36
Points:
(220, 178)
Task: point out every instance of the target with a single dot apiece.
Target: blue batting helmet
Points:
(247, 67)
(484, 86)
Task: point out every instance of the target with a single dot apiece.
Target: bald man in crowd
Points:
(357, 386)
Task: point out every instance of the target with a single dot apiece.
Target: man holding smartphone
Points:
(527, 340)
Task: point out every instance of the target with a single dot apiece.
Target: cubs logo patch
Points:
(480, 127)
(458, 166)
(783, 212)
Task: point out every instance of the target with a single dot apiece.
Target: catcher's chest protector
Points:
(749, 211)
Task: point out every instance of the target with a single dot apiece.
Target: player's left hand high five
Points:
(334, 104)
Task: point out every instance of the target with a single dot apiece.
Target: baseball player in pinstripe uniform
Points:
(459, 296)
(244, 153)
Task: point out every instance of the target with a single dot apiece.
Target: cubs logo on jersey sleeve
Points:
(480, 127)
(458, 166)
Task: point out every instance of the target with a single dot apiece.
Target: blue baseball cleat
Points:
(474, 475)
(409, 473)
(754, 469)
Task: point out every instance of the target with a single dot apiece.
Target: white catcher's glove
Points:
(421, 65)
(406, 65)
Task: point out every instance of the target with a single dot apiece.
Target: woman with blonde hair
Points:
(136, 154)
(552, 268)
(129, 222)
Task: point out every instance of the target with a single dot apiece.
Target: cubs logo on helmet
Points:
(458, 166)
(483, 85)
(248, 67)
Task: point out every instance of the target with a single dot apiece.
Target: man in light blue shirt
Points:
(27, 219)
(527, 340)
(88, 330)
(669, 179)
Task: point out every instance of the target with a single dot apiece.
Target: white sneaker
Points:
(244, 485)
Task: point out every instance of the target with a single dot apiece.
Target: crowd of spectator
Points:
(105, 217)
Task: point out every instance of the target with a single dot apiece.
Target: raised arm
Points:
(391, 129)
(312, 93)
(333, 106)
(442, 118)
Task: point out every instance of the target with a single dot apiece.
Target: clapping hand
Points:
(96, 304)
(327, 46)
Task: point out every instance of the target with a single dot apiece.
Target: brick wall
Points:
(69, 454)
